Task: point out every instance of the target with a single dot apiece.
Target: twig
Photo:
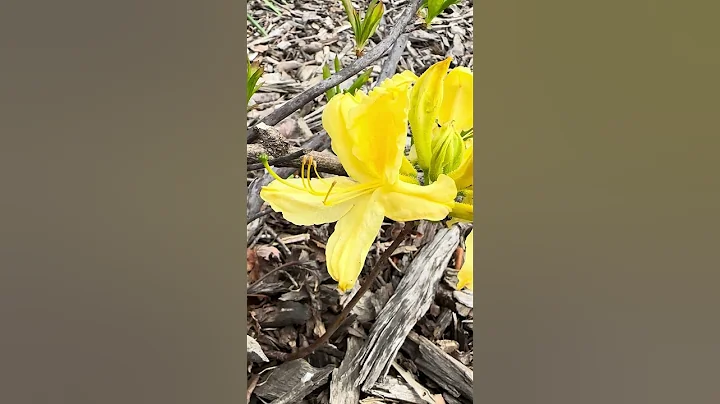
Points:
(390, 65)
(339, 77)
(276, 162)
(326, 163)
(282, 154)
(283, 266)
(259, 215)
(301, 353)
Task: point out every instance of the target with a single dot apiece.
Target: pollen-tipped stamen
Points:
(264, 160)
(328, 192)
(317, 174)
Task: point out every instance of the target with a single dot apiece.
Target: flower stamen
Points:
(328, 192)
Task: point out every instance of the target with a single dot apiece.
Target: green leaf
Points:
(254, 73)
(359, 82)
(437, 7)
(326, 74)
(255, 23)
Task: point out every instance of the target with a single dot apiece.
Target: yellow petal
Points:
(334, 119)
(368, 132)
(304, 208)
(462, 211)
(465, 276)
(463, 175)
(457, 101)
(379, 126)
(403, 202)
(425, 99)
(401, 80)
(349, 244)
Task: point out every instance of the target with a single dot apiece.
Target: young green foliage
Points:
(254, 72)
(363, 28)
(258, 26)
(434, 8)
(359, 82)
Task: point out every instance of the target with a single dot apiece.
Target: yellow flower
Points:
(439, 98)
(368, 133)
(465, 276)
(463, 175)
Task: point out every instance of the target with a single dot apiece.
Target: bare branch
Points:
(390, 65)
(281, 154)
(358, 65)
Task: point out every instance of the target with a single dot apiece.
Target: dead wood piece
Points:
(342, 389)
(282, 154)
(390, 65)
(410, 302)
(464, 297)
(283, 314)
(441, 368)
(451, 400)
(255, 353)
(442, 323)
(393, 388)
(292, 381)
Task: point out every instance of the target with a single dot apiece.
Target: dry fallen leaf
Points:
(253, 266)
(267, 252)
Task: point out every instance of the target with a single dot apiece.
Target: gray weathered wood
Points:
(342, 388)
(393, 388)
(443, 369)
(410, 302)
(255, 353)
(283, 314)
(292, 381)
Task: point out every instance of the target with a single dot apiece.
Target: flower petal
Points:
(463, 175)
(335, 122)
(368, 132)
(350, 243)
(465, 276)
(303, 208)
(379, 125)
(401, 80)
(425, 99)
(457, 101)
(403, 202)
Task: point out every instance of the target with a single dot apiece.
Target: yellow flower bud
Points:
(447, 151)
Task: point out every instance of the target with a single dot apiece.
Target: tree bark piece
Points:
(342, 388)
(410, 302)
(292, 381)
(255, 353)
(284, 314)
(443, 369)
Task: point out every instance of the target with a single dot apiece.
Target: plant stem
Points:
(301, 353)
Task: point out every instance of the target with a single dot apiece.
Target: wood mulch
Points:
(410, 338)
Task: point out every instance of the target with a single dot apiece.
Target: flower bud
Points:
(447, 151)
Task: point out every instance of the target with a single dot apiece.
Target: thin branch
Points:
(301, 353)
(282, 154)
(390, 65)
(276, 162)
(339, 77)
(259, 215)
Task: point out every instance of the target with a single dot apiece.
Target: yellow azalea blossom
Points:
(465, 276)
(439, 98)
(463, 175)
(368, 133)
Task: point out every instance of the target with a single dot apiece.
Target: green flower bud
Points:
(447, 151)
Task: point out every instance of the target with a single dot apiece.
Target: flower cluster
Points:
(368, 133)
